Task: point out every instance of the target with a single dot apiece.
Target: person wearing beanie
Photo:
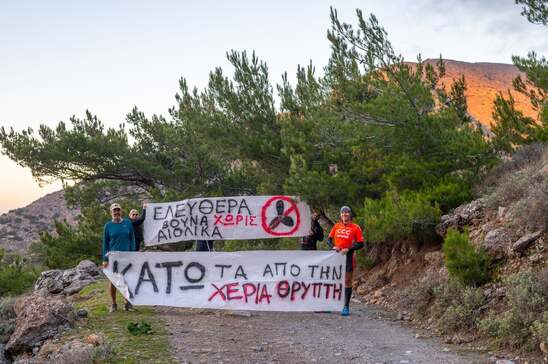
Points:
(346, 237)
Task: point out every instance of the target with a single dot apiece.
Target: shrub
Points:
(421, 294)
(465, 263)
(15, 276)
(396, 216)
(453, 306)
(524, 321)
(7, 318)
(521, 184)
(525, 157)
(68, 246)
(449, 194)
(464, 312)
(364, 260)
(540, 330)
(139, 328)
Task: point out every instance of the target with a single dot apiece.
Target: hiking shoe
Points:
(345, 311)
(113, 308)
(128, 307)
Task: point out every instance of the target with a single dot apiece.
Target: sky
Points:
(60, 58)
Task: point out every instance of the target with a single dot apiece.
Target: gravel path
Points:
(203, 336)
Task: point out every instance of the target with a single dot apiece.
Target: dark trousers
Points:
(204, 245)
(309, 246)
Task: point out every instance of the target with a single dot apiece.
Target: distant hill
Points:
(484, 81)
(21, 227)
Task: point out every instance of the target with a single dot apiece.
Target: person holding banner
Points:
(118, 235)
(346, 237)
(316, 234)
(137, 222)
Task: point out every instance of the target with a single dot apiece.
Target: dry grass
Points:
(521, 185)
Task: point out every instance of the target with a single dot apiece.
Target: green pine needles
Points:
(464, 262)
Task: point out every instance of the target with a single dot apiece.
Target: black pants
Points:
(204, 246)
(350, 261)
(309, 246)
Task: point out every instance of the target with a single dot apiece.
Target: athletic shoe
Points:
(345, 311)
(128, 307)
(113, 308)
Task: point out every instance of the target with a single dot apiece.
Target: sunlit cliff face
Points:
(484, 81)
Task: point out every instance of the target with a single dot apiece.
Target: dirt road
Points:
(202, 336)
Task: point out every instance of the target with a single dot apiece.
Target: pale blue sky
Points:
(59, 58)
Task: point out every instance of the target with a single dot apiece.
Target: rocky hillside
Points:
(484, 81)
(21, 227)
(509, 222)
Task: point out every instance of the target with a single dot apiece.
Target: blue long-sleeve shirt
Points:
(118, 237)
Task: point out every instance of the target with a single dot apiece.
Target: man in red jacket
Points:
(346, 237)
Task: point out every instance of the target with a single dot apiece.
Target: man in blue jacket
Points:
(118, 235)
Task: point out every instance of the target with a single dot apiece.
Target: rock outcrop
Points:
(489, 230)
(462, 216)
(39, 317)
(46, 312)
(525, 241)
(68, 281)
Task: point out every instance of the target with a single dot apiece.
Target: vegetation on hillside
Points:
(15, 275)
(372, 132)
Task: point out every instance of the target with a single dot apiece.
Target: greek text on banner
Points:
(250, 280)
(226, 218)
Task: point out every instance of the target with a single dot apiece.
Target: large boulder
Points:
(462, 216)
(68, 281)
(496, 243)
(78, 352)
(39, 317)
(50, 281)
(525, 241)
(92, 349)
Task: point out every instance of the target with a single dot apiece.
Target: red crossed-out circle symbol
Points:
(288, 215)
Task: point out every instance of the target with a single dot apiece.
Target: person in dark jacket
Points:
(309, 242)
(137, 222)
(204, 246)
(118, 235)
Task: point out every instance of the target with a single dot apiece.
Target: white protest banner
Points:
(226, 218)
(250, 280)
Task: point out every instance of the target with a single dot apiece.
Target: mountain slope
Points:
(484, 81)
(20, 227)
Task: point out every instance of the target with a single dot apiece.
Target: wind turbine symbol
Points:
(282, 217)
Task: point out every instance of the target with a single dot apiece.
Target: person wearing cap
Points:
(118, 235)
(346, 237)
(137, 222)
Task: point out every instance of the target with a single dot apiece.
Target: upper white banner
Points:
(226, 218)
(251, 280)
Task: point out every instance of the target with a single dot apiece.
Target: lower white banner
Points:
(250, 280)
